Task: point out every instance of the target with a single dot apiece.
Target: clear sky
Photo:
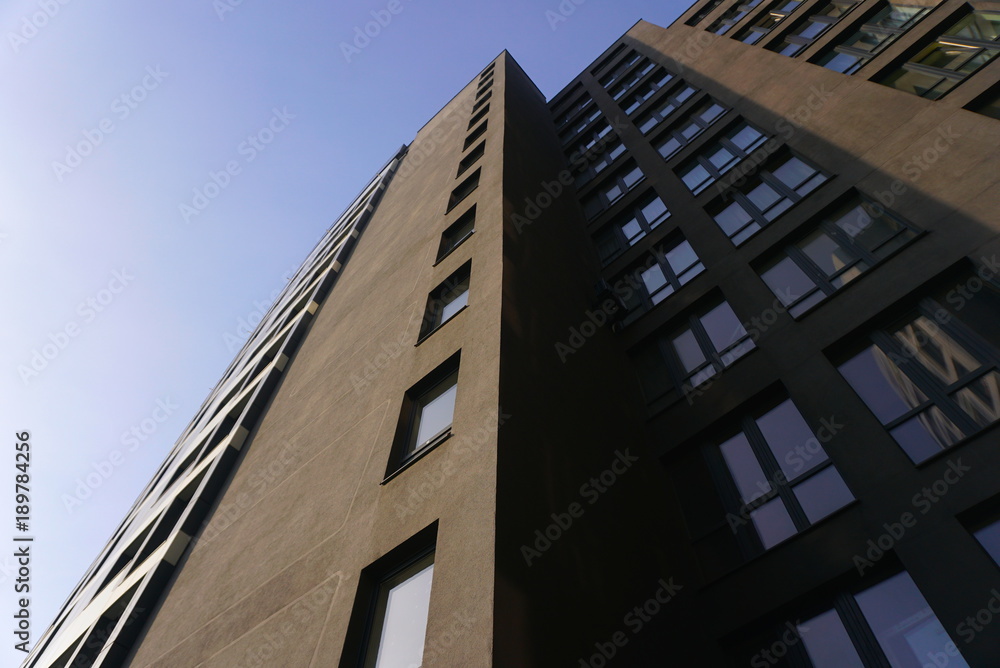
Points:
(123, 290)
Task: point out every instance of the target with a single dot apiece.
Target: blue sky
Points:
(122, 307)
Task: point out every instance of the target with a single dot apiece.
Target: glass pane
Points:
(811, 29)
(763, 196)
(793, 172)
(787, 281)
(405, 622)
(806, 304)
(926, 343)
(688, 351)
(926, 434)
(989, 538)
(980, 399)
(840, 62)
(669, 147)
(696, 178)
(454, 300)
(881, 384)
(827, 642)
(822, 494)
(746, 137)
(826, 253)
(653, 279)
(690, 130)
(712, 113)
(723, 327)
(917, 83)
(983, 26)
(632, 177)
(773, 523)
(653, 211)
(791, 440)
(722, 158)
(745, 469)
(732, 219)
(613, 192)
(905, 626)
(684, 93)
(872, 231)
(680, 257)
(633, 231)
(435, 411)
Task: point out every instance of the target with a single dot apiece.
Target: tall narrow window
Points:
(399, 626)
(457, 232)
(933, 377)
(471, 158)
(464, 189)
(446, 300)
(425, 420)
(474, 135)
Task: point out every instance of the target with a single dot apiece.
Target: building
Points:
(695, 364)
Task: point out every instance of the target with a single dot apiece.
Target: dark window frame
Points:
(657, 115)
(471, 158)
(463, 190)
(634, 212)
(724, 142)
(693, 118)
(618, 178)
(432, 321)
(658, 257)
(866, 25)
(657, 80)
(448, 242)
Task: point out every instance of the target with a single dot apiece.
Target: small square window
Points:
(463, 190)
(446, 300)
(457, 232)
(425, 420)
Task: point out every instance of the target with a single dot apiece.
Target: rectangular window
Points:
(628, 61)
(607, 60)
(932, 377)
(987, 104)
(744, 211)
(478, 117)
(878, 31)
(579, 124)
(664, 107)
(425, 420)
(446, 300)
(700, 15)
(599, 159)
(810, 27)
(488, 71)
(474, 135)
(712, 162)
(631, 226)
(563, 119)
(656, 83)
(464, 189)
(889, 624)
(692, 125)
(847, 241)
(471, 158)
(612, 189)
(664, 271)
(629, 81)
(485, 87)
(482, 101)
(989, 538)
(456, 233)
(721, 25)
(963, 49)
(767, 21)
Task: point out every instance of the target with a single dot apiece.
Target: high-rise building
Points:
(695, 364)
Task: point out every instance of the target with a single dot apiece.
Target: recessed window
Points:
(846, 242)
(464, 189)
(878, 31)
(963, 49)
(932, 377)
(744, 211)
(446, 300)
(612, 189)
(457, 232)
(731, 17)
(890, 624)
(594, 162)
(488, 71)
(712, 162)
(987, 104)
(989, 538)
(479, 116)
(766, 22)
(628, 61)
(666, 268)
(703, 12)
(628, 228)
(689, 127)
(656, 83)
(428, 409)
(474, 135)
(592, 139)
(571, 111)
(469, 160)
(485, 87)
(579, 124)
(482, 101)
(808, 30)
(607, 60)
(627, 82)
(664, 107)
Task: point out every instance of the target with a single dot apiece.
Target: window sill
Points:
(431, 333)
(418, 455)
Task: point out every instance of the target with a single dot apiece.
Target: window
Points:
(457, 232)
(596, 163)
(808, 30)
(879, 31)
(987, 104)
(628, 228)
(667, 105)
(846, 242)
(989, 538)
(963, 48)
(482, 101)
(932, 377)
(425, 421)
(612, 189)
(618, 50)
(664, 271)
(464, 189)
(744, 211)
(656, 82)
(628, 61)
(474, 135)
(580, 124)
(446, 300)
(692, 125)
(575, 108)
(766, 22)
(721, 25)
(479, 116)
(779, 480)
(485, 87)
(593, 138)
(469, 160)
(629, 81)
(702, 13)
(888, 624)
(706, 342)
(488, 71)
(707, 167)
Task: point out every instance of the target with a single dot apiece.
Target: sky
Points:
(164, 167)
